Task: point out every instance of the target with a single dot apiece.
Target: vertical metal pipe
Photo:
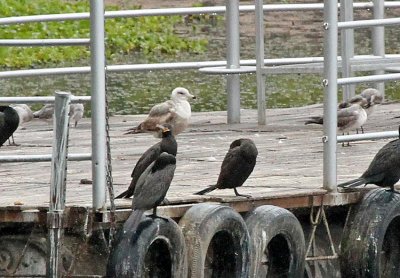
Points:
(260, 61)
(330, 93)
(233, 60)
(378, 39)
(98, 93)
(347, 46)
(57, 184)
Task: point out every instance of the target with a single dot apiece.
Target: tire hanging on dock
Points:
(276, 242)
(370, 245)
(217, 241)
(155, 249)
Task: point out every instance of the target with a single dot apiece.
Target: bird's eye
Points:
(181, 93)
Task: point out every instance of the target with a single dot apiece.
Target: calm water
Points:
(136, 92)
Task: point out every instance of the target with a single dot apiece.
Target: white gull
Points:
(176, 112)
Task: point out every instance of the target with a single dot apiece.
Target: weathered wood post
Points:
(57, 183)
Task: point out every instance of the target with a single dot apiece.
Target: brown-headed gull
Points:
(175, 112)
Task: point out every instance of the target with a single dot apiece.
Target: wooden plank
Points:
(289, 162)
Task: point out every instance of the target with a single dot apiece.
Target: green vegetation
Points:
(148, 35)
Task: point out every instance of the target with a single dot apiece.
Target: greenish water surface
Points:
(137, 92)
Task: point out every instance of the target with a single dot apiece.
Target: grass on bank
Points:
(147, 35)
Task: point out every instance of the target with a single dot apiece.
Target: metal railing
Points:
(331, 82)
(232, 65)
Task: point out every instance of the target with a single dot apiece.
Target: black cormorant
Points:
(9, 121)
(384, 169)
(167, 144)
(236, 167)
(151, 188)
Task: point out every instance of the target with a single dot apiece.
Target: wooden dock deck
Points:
(288, 170)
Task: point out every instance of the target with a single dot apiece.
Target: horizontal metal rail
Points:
(369, 78)
(180, 11)
(49, 99)
(42, 157)
(368, 23)
(186, 65)
(368, 136)
(43, 42)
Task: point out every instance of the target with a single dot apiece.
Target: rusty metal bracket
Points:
(55, 219)
(315, 222)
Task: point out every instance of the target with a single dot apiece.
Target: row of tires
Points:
(213, 240)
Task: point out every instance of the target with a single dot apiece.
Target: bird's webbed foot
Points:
(242, 195)
(14, 144)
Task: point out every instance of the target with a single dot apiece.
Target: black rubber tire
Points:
(217, 241)
(156, 249)
(370, 245)
(277, 243)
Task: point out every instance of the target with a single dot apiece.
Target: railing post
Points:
(233, 60)
(57, 184)
(347, 46)
(330, 93)
(98, 92)
(260, 61)
(378, 39)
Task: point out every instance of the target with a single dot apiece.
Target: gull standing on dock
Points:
(384, 169)
(25, 115)
(76, 111)
(9, 121)
(176, 112)
(151, 189)
(24, 112)
(371, 96)
(45, 113)
(348, 118)
(167, 144)
(236, 167)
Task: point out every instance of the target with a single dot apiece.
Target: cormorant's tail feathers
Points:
(352, 183)
(133, 221)
(207, 190)
(122, 195)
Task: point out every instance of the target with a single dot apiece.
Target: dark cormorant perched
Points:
(151, 188)
(167, 144)
(9, 121)
(384, 169)
(237, 166)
